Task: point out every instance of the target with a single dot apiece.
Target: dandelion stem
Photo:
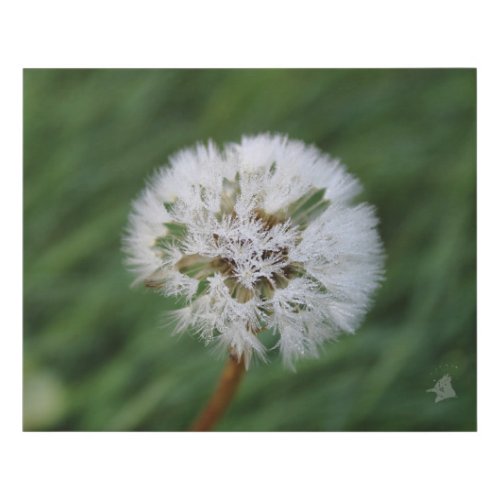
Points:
(228, 383)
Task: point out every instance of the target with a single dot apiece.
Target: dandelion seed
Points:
(262, 234)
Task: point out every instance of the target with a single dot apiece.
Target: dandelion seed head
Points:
(261, 234)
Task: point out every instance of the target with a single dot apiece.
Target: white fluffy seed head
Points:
(259, 235)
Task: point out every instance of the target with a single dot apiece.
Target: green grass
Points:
(95, 354)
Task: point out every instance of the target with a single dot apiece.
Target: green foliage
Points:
(96, 356)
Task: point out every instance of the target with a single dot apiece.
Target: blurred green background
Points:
(95, 354)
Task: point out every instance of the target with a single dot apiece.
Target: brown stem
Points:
(228, 383)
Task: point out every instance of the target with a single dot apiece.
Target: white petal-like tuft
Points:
(261, 234)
